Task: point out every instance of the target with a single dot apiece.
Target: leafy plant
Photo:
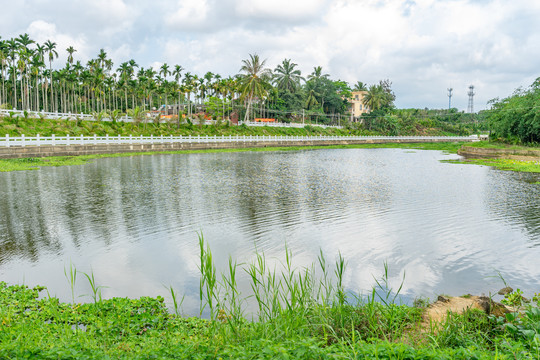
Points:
(514, 298)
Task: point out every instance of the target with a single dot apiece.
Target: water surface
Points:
(135, 221)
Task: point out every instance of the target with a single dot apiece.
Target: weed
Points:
(71, 276)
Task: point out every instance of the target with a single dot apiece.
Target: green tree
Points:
(50, 48)
(517, 117)
(286, 77)
(254, 81)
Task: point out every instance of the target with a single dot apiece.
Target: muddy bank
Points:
(493, 153)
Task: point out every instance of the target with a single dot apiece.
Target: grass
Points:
(503, 164)
(301, 313)
(16, 126)
(36, 163)
(502, 145)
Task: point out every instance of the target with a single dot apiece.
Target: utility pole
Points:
(450, 98)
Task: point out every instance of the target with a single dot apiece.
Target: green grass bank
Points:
(508, 157)
(301, 313)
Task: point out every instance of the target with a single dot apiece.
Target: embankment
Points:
(93, 149)
(498, 153)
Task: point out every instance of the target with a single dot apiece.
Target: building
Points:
(358, 108)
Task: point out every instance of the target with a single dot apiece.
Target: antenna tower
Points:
(470, 108)
(450, 98)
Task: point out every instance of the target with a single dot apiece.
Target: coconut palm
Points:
(317, 74)
(255, 80)
(286, 77)
(374, 97)
(360, 86)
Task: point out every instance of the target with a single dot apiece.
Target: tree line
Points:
(29, 82)
(517, 117)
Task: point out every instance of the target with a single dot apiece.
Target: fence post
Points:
(82, 140)
(107, 138)
(23, 142)
(7, 140)
(151, 138)
(119, 138)
(37, 140)
(67, 139)
(140, 139)
(95, 139)
(53, 140)
(130, 138)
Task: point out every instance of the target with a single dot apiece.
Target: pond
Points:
(134, 222)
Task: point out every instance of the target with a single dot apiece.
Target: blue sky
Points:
(422, 46)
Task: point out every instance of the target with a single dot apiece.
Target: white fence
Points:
(53, 140)
(293, 125)
(125, 118)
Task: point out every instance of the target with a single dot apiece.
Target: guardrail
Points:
(293, 125)
(125, 118)
(8, 141)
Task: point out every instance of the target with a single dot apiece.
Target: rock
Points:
(491, 307)
(442, 298)
(505, 290)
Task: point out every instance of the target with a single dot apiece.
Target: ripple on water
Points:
(135, 221)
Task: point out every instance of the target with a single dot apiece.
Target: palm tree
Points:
(40, 53)
(125, 75)
(317, 74)
(286, 77)
(12, 47)
(3, 61)
(24, 58)
(360, 86)
(189, 84)
(50, 48)
(70, 51)
(102, 57)
(164, 71)
(177, 73)
(311, 98)
(374, 98)
(254, 82)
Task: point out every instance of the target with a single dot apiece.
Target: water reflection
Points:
(134, 221)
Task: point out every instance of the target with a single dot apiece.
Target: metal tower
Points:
(470, 108)
(450, 98)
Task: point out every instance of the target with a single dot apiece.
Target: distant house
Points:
(357, 107)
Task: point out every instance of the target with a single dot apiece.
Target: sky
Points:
(423, 47)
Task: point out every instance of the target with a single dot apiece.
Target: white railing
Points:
(125, 118)
(8, 141)
(293, 125)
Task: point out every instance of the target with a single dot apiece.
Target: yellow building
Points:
(357, 107)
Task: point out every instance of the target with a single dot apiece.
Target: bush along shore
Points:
(300, 314)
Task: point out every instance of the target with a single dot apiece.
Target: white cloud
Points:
(279, 9)
(41, 31)
(191, 14)
(422, 46)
